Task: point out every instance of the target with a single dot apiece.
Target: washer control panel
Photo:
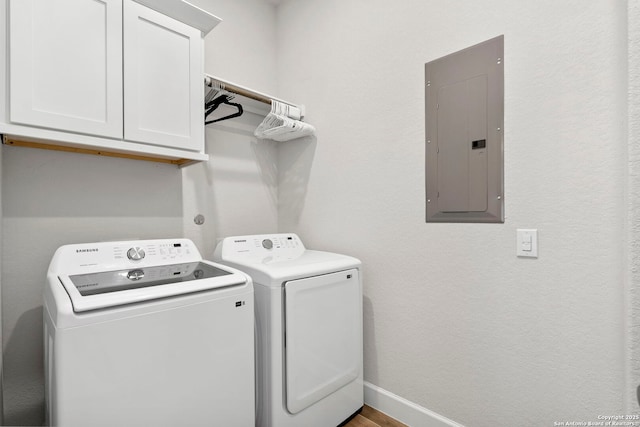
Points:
(125, 254)
(160, 250)
(274, 246)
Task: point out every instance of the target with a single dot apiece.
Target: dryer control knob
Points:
(135, 254)
(267, 244)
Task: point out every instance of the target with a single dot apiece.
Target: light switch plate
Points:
(527, 242)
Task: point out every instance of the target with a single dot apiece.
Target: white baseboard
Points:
(403, 410)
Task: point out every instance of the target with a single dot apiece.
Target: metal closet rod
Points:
(243, 91)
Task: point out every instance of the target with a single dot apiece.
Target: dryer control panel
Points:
(262, 246)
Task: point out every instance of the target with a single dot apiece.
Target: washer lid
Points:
(104, 289)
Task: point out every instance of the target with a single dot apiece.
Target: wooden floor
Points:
(370, 417)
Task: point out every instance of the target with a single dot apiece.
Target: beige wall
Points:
(237, 189)
(633, 203)
(454, 321)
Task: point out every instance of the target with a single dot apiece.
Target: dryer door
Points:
(323, 347)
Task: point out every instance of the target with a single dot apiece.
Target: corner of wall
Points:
(632, 276)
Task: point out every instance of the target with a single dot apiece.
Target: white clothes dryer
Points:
(309, 329)
(146, 333)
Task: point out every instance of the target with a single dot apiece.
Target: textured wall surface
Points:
(454, 321)
(634, 207)
(236, 190)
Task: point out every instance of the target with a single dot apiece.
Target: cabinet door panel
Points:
(66, 65)
(163, 78)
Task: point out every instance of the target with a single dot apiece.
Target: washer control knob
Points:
(267, 244)
(135, 254)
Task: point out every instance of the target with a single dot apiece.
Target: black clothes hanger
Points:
(212, 105)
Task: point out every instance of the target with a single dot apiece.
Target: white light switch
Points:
(527, 242)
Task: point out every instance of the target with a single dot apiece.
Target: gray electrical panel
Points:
(464, 95)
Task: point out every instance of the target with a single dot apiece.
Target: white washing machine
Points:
(309, 329)
(146, 333)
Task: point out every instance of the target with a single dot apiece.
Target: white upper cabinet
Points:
(163, 79)
(66, 65)
(112, 75)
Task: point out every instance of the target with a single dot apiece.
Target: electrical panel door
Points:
(464, 107)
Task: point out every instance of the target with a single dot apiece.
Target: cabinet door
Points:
(65, 61)
(163, 80)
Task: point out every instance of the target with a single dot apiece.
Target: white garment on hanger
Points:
(282, 124)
